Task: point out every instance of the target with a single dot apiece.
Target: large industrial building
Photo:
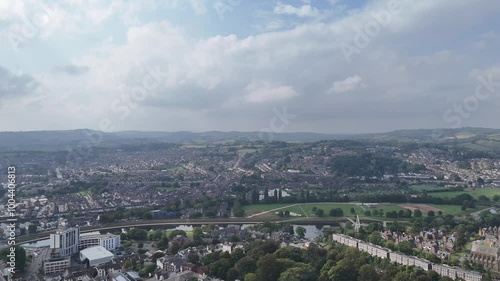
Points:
(96, 255)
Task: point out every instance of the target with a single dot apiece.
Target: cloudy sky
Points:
(336, 66)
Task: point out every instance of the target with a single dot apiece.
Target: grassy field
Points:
(263, 207)
(452, 209)
(176, 169)
(489, 192)
(306, 210)
(426, 187)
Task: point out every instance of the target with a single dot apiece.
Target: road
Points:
(476, 214)
(270, 211)
(37, 262)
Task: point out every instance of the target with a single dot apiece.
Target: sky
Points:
(330, 66)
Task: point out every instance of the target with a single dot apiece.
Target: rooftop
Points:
(96, 252)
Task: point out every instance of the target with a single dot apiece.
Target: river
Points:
(312, 231)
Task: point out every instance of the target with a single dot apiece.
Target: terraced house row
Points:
(375, 250)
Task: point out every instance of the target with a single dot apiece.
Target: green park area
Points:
(488, 192)
(309, 210)
(427, 187)
(376, 211)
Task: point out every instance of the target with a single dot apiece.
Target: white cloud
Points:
(261, 92)
(302, 11)
(11, 10)
(347, 85)
(232, 75)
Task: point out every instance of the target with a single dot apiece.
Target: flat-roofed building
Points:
(96, 255)
(108, 241)
(55, 265)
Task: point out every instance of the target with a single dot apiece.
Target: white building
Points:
(108, 241)
(96, 255)
(66, 240)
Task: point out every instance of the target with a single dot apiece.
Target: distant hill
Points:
(473, 138)
(477, 139)
(59, 140)
(437, 134)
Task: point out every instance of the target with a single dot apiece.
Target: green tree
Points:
(402, 276)
(268, 268)
(301, 232)
(367, 273)
(343, 270)
(417, 213)
(137, 234)
(232, 274)
(175, 248)
(156, 235)
(127, 264)
(255, 196)
(20, 256)
(193, 258)
(177, 232)
(246, 265)
(405, 247)
(147, 270)
(304, 272)
(336, 212)
(291, 253)
(320, 213)
(251, 277)
(220, 268)
(197, 233)
(288, 228)
(32, 228)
